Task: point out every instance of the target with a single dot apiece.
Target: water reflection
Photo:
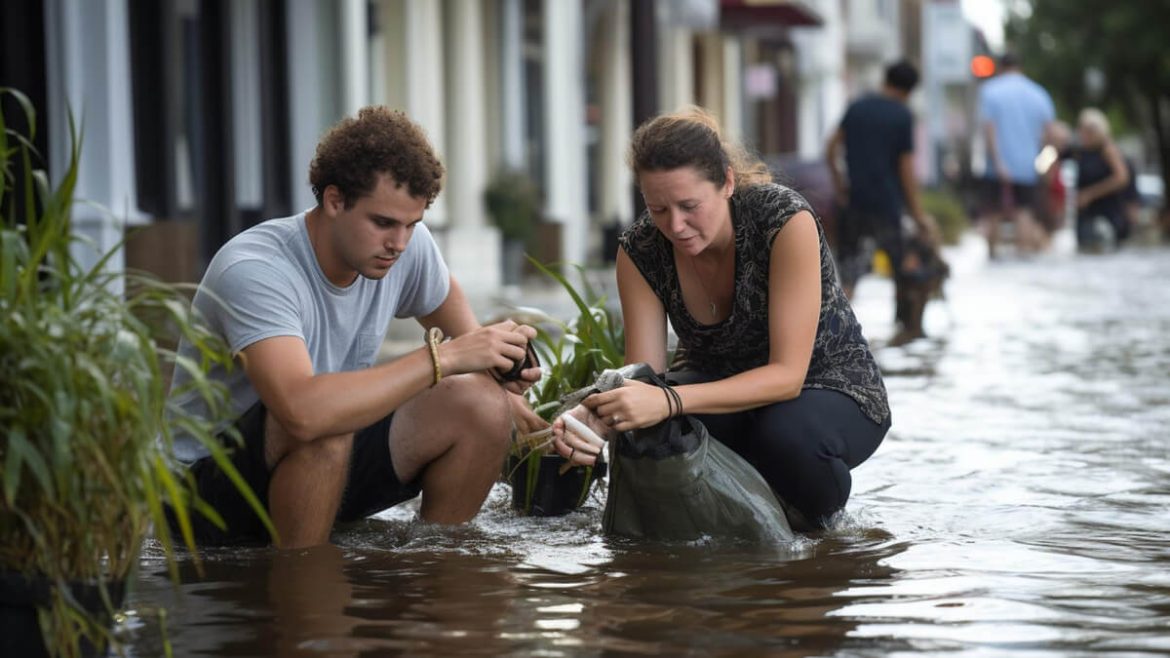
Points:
(1018, 505)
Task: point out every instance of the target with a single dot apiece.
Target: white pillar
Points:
(617, 104)
(821, 64)
(355, 55)
(732, 89)
(564, 112)
(472, 245)
(247, 147)
(411, 44)
(512, 83)
(676, 65)
(89, 75)
(312, 103)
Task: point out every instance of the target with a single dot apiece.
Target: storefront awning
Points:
(754, 13)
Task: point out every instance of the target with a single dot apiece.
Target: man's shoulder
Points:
(266, 246)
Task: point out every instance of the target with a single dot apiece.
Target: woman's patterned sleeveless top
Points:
(841, 360)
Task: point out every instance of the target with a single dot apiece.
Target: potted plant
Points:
(85, 424)
(573, 353)
(513, 201)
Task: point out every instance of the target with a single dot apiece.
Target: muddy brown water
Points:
(1020, 505)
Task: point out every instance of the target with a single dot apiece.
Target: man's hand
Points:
(496, 346)
(524, 418)
(929, 230)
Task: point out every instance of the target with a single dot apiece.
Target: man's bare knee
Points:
(279, 443)
(331, 451)
(477, 401)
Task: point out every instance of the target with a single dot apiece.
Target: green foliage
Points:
(573, 354)
(513, 201)
(948, 211)
(86, 426)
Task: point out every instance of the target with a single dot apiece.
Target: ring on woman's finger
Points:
(616, 419)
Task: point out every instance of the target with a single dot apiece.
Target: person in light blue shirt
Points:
(1016, 115)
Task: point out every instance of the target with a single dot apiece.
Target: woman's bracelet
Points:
(678, 401)
(433, 337)
(673, 402)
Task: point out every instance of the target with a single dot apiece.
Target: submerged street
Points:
(1018, 504)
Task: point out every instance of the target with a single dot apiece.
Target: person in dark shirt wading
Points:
(877, 134)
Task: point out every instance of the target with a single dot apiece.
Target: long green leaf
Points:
(21, 452)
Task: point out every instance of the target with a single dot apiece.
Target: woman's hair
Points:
(357, 150)
(1096, 120)
(691, 138)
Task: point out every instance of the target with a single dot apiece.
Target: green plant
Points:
(573, 354)
(513, 201)
(948, 212)
(86, 425)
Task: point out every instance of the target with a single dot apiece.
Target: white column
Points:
(472, 245)
(821, 65)
(512, 83)
(617, 104)
(732, 89)
(88, 63)
(310, 108)
(676, 65)
(355, 55)
(412, 75)
(247, 148)
(564, 112)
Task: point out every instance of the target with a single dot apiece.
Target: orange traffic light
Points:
(982, 66)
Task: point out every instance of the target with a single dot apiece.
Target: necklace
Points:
(703, 286)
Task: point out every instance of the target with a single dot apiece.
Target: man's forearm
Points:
(339, 403)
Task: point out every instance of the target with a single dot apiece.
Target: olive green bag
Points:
(674, 481)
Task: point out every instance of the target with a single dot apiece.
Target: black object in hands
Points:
(530, 361)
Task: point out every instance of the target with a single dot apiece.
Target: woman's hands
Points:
(581, 439)
(633, 406)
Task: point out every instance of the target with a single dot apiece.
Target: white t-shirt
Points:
(269, 283)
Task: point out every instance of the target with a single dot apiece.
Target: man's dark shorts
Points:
(859, 233)
(371, 487)
(995, 197)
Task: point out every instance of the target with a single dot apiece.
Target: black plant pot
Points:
(20, 595)
(553, 494)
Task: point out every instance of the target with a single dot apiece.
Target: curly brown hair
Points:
(357, 150)
(691, 138)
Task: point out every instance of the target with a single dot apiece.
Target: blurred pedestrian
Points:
(1102, 180)
(877, 133)
(1017, 114)
(1052, 207)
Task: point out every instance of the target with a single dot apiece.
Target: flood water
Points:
(1020, 504)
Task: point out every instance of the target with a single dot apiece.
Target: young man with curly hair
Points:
(304, 302)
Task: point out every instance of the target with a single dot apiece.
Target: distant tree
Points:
(1062, 43)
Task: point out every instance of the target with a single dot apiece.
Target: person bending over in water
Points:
(740, 268)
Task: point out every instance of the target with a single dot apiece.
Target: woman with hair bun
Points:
(739, 267)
